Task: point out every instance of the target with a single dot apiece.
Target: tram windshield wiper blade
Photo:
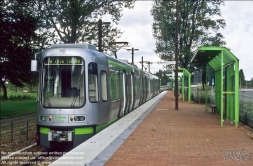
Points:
(73, 102)
(47, 99)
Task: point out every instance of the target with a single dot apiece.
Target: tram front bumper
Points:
(77, 136)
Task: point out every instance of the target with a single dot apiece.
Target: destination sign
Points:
(60, 118)
(63, 61)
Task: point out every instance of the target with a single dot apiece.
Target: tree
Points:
(162, 75)
(242, 77)
(251, 82)
(76, 21)
(17, 30)
(197, 27)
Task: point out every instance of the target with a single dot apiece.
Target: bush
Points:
(200, 98)
(22, 131)
(19, 97)
(192, 97)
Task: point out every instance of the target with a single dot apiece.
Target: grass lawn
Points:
(21, 94)
(9, 109)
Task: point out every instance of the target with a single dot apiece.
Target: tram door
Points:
(128, 92)
(123, 90)
(141, 90)
(132, 91)
(145, 88)
(120, 93)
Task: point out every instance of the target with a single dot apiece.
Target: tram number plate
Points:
(60, 118)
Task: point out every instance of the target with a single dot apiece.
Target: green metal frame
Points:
(186, 74)
(226, 85)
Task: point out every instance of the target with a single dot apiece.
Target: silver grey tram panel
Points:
(70, 105)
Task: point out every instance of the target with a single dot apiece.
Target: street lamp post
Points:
(100, 34)
(142, 63)
(132, 54)
(176, 58)
(147, 62)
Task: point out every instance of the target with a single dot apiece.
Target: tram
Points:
(82, 91)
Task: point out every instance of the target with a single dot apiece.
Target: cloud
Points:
(239, 33)
(140, 14)
(136, 25)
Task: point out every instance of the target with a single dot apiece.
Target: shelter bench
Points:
(213, 108)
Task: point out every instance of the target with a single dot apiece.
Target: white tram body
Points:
(82, 91)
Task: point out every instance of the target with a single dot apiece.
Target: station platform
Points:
(157, 134)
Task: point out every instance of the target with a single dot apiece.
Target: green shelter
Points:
(226, 67)
(186, 82)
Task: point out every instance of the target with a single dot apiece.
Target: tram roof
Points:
(212, 55)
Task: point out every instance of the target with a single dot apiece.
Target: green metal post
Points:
(229, 99)
(233, 97)
(228, 90)
(206, 88)
(221, 88)
(189, 87)
(182, 86)
(217, 89)
(236, 93)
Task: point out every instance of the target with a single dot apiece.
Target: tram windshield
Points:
(63, 82)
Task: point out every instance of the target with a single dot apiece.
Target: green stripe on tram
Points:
(83, 130)
(102, 127)
(44, 130)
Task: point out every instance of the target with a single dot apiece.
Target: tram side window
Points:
(121, 85)
(93, 82)
(148, 80)
(129, 85)
(136, 84)
(152, 86)
(103, 85)
(117, 79)
(112, 86)
(141, 86)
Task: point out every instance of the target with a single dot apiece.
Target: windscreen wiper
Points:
(47, 99)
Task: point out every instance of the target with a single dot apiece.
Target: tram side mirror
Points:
(33, 65)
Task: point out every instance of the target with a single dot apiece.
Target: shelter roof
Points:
(213, 56)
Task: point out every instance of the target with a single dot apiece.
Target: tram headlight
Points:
(82, 118)
(77, 118)
(71, 118)
(46, 118)
(43, 118)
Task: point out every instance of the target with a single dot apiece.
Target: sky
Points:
(136, 26)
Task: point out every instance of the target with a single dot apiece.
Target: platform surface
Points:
(161, 135)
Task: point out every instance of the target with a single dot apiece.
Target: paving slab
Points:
(99, 148)
(188, 136)
(156, 134)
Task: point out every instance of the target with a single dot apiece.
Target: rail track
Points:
(37, 156)
(18, 149)
(6, 122)
(34, 155)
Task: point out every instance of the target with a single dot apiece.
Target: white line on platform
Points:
(17, 152)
